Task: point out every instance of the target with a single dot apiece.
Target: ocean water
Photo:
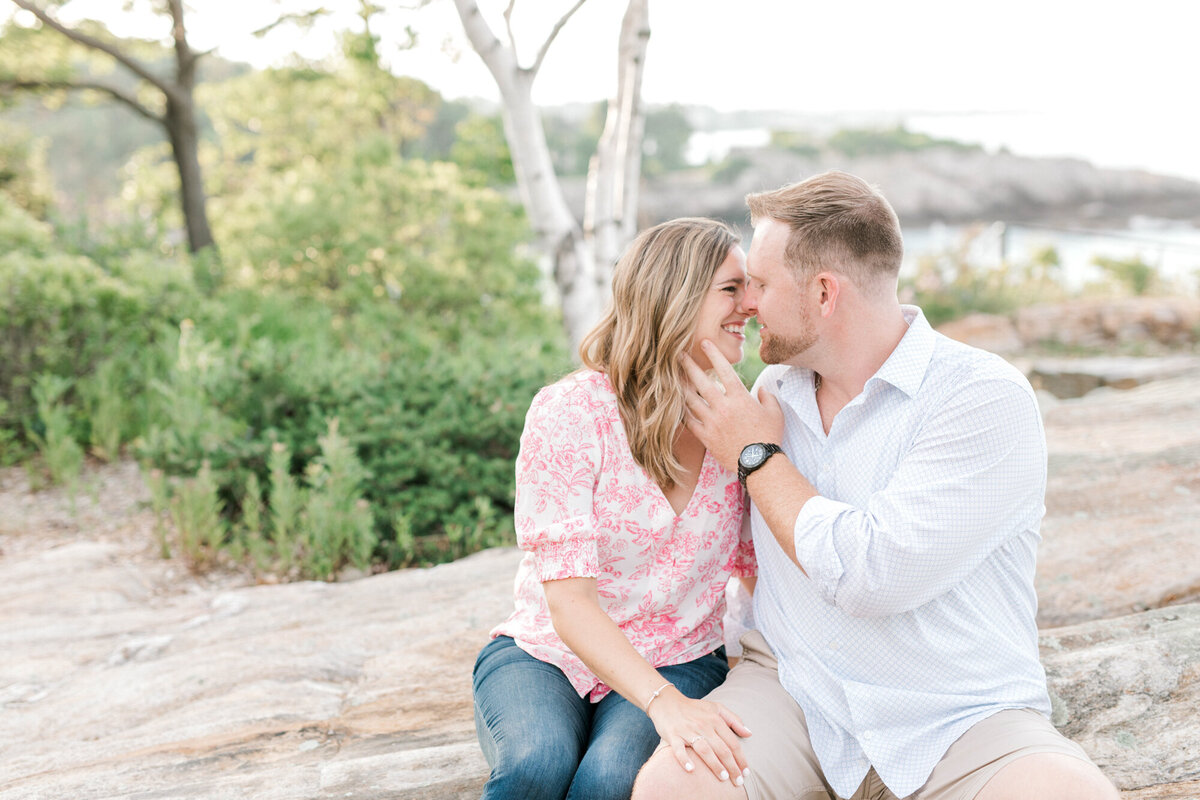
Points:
(1173, 248)
(1162, 141)
(1118, 142)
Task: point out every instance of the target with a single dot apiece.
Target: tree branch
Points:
(301, 18)
(96, 44)
(541, 56)
(512, 40)
(185, 56)
(500, 61)
(113, 91)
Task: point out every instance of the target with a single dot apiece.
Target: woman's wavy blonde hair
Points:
(658, 286)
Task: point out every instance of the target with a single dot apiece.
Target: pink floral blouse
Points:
(585, 508)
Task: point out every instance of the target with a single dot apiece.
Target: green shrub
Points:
(105, 404)
(52, 433)
(1130, 274)
(857, 142)
(949, 284)
(63, 314)
(434, 425)
(197, 511)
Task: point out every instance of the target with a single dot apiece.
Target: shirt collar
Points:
(905, 368)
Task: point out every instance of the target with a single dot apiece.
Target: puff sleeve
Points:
(556, 475)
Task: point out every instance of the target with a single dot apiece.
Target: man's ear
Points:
(828, 286)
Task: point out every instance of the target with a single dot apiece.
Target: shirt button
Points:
(834, 645)
(866, 736)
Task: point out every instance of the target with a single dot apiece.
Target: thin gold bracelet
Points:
(657, 692)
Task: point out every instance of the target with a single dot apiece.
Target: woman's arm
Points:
(593, 636)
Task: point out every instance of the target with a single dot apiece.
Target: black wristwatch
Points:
(754, 456)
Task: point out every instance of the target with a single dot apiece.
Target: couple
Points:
(895, 483)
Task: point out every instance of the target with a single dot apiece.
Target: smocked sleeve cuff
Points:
(567, 550)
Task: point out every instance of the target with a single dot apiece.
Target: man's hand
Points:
(725, 422)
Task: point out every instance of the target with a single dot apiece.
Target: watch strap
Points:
(745, 472)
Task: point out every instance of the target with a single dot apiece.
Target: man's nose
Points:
(749, 303)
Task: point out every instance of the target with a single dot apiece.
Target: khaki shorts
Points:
(783, 765)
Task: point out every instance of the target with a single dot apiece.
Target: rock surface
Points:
(124, 676)
(1147, 322)
(938, 184)
(1123, 500)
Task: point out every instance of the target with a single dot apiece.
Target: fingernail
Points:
(724, 775)
(688, 766)
(738, 781)
(746, 771)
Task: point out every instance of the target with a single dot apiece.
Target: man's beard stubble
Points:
(776, 349)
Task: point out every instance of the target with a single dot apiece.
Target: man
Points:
(896, 532)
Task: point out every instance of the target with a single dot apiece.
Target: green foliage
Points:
(1132, 274)
(55, 441)
(20, 231)
(481, 149)
(196, 510)
(435, 425)
(63, 314)
(337, 524)
(731, 168)
(799, 142)
(24, 174)
(287, 503)
(858, 142)
(855, 142)
(105, 405)
(949, 285)
(572, 139)
(664, 144)
(355, 285)
(160, 506)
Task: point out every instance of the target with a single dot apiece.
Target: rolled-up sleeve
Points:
(973, 477)
(556, 475)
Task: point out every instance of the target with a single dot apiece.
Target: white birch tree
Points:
(578, 254)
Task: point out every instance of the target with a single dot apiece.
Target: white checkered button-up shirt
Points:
(916, 619)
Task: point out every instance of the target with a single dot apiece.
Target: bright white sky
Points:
(1112, 82)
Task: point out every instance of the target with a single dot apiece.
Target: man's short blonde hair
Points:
(838, 222)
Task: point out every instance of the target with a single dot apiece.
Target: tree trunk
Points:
(610, 216)
(180, 122)
(178, 119)
(578, 258)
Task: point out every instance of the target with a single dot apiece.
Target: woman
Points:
(631, 532)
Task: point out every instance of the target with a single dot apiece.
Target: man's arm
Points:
(973, 479)
(725, 419)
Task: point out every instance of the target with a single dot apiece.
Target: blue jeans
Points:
(545, 742)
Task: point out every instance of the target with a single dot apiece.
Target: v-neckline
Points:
(695, 489)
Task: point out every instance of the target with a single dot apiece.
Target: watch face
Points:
(753, 455)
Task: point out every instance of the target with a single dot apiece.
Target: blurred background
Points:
(291, 257)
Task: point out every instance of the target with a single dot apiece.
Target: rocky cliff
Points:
(943, 184)
(124, 676)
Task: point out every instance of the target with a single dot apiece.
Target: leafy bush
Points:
(949, 285)
(435, 426)
(1131, 274)
(63, 315)
(62, 454)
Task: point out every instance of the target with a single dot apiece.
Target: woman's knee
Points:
(531, 769)
(609, 767)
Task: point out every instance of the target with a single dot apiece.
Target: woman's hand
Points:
(708, 729)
